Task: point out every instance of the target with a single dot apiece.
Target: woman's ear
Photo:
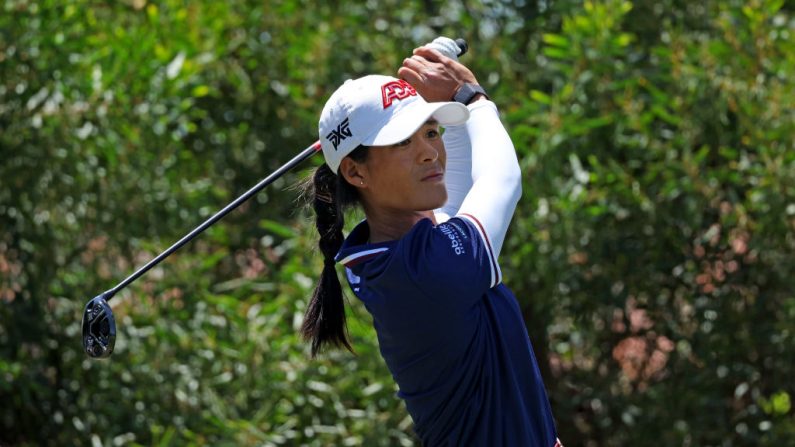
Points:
(354, 172)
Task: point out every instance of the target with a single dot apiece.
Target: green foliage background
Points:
(652, 251)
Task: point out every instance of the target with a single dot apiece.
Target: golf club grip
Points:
(303, 155)
(449, 47)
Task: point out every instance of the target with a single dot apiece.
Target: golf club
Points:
(99, 325)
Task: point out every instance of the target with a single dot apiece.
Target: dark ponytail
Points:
(330, 196)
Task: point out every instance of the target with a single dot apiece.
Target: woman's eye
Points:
(433, 133)
(404, 142)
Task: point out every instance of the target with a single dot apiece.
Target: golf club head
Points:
(99, 328)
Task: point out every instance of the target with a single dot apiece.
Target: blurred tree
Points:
(658, 222)
(651, 252)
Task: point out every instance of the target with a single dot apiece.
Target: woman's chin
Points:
(435, 200)
(429, 198)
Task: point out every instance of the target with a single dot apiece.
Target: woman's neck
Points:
(389, 224)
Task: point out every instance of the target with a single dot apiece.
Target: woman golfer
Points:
(424, 262)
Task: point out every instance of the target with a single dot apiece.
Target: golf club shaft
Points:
(306, 153)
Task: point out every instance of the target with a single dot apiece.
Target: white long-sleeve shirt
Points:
(482, 176)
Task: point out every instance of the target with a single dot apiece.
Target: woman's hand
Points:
(434, 76)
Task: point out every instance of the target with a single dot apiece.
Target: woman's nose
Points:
(428, 152)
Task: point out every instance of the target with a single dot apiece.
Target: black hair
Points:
(330, 195)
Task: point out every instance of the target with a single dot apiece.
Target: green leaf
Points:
(778, 404)
(624, 39)
(540, 96)
(200, 90)
(556, 53)
(276, 228)
(555, 39)
(663, 114)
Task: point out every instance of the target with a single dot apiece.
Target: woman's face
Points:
(408, 176)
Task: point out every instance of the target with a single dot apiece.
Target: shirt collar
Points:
(356, 250)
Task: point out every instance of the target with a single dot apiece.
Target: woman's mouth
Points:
(435, 176)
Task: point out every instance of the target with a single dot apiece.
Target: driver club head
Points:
(99, 328)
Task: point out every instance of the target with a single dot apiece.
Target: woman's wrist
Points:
(478, 97)
(467, 93)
